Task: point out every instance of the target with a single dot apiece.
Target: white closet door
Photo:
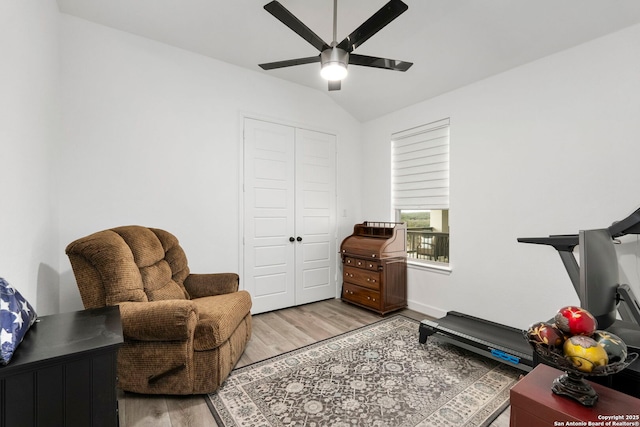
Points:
(269, 221)
(316, 252)
(290, 249)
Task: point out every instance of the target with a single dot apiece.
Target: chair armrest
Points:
(168, 320)
(204, 285)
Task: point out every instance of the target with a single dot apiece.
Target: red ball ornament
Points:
(546, 334)
(575, 321)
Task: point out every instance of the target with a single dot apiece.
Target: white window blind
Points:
(420, 167)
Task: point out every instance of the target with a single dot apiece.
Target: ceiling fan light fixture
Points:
(334, 72)
(334, 63)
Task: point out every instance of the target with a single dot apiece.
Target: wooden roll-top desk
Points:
(374, 262)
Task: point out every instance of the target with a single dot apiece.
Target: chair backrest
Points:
(130, 263)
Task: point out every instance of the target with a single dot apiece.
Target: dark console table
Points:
(64, 372)
(533, 404)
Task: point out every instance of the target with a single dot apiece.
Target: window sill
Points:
(432, 267)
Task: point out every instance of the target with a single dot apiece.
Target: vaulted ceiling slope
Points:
(452, 43)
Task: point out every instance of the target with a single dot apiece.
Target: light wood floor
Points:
(272, 334)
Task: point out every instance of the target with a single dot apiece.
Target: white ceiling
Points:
(451, 42)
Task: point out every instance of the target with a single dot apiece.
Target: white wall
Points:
(152, 136)
(29, 132)
(547, 148)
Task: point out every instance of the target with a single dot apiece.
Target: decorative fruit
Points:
(585, 353)
(575, 321)
(614, 346)
(546, 334)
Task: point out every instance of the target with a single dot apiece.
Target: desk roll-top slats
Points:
(374, 261)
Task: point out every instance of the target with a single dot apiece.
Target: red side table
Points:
(533, 404)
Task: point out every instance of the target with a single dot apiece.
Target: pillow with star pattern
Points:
(16, 317)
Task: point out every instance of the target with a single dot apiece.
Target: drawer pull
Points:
(371, 280)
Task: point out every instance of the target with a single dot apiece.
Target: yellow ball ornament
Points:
(585, 353)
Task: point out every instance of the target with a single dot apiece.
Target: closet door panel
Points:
(269, 220)
(316, 253)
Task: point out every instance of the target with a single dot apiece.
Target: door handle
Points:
(291, 239)
(299, 239)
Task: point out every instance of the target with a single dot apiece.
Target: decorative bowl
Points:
(572, 383)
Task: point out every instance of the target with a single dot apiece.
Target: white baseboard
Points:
(426, 309)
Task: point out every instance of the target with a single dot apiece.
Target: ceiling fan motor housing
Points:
(334, 59)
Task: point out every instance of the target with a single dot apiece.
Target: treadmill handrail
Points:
(565, 242)
(628, 307)
(629, 225)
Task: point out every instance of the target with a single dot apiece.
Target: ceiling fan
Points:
(335, 58)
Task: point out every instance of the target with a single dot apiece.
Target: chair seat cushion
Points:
(218, 317)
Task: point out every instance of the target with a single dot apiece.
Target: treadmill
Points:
(493, 340)
(627, 326)
(626, 304)
(507, 344)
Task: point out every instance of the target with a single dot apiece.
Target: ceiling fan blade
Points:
(290, 62)
(378, 21)
(372, 61)
(288, 19)
(334, 84)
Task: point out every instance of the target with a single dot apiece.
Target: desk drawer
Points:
(360, 295)
(370, 265)
(362, 263)
(366, 278)
(348, 261)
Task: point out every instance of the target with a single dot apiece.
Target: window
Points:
(420, 185)
(427, 234)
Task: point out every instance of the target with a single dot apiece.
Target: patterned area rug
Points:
(378, 375)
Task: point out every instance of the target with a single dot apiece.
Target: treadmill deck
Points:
(489, 339)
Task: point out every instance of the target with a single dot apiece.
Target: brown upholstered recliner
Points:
(183, 332)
